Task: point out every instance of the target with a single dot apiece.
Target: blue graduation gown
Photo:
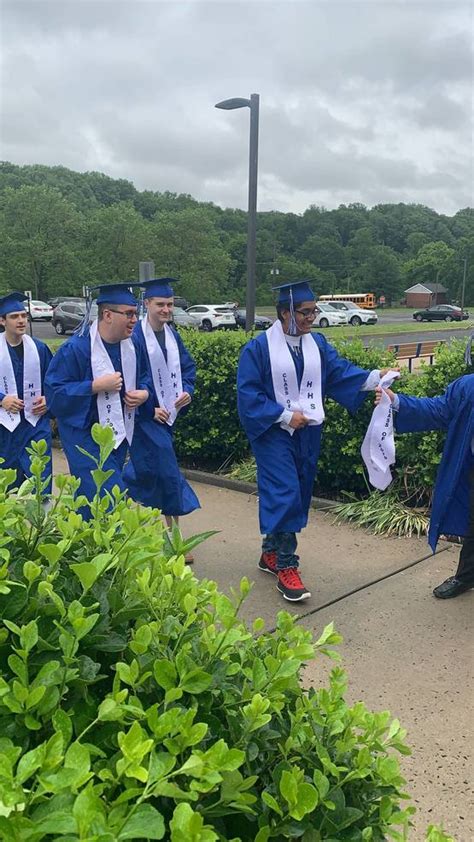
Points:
(13, 445)
(152, 476)
(69, 394)
(286, 465)
(454, 412)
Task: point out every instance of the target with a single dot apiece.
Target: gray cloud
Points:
(363, 100)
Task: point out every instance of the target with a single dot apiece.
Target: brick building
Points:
(426, 295)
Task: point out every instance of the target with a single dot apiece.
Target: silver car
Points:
(183, 319)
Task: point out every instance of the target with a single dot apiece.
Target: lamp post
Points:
(463, 289)
(253, 103)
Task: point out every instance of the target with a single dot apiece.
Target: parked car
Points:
(180, 302)
(213, 316)
(183, 319)
(260, 322)
(327, 316)
(53, 302)
(355, 315)
(68, 316)
(441, 312)
(39, 311)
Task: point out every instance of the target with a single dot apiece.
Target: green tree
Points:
(325, 253)
(116, 238)
(186, 245)
(430, 264)
(39, 241)
(380, 273)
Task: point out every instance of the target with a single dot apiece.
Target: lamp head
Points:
(230, 104)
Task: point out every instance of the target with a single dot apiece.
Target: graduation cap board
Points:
(294, 292)
(115, 293)
(159, 287)
(12, 303)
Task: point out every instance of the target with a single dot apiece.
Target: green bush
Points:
(209, 435)
(135, 704)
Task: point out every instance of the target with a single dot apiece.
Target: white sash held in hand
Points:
(109, 404)
(306, 398)
(378, 447)
(31, 382)
(166, 374)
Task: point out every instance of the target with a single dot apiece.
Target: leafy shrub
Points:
(210, 434)
(135, 704)
(383, 513)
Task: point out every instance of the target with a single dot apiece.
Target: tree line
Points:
(61, 229)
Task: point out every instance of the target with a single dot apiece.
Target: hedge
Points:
(210, 433)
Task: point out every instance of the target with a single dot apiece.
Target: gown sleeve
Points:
(68, 387)
(188, 366)
(422, 414)
(344, 380)
(257, 411)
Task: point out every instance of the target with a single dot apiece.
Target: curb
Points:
(221, 481)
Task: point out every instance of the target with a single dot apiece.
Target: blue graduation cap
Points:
(158, 288)
(116, 293)
(295, 292)
(12, 303)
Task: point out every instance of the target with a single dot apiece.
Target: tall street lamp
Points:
(253, 103)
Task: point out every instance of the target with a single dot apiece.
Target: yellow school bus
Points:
(366, 300)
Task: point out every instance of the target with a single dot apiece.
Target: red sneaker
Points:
(291, 586)
(268, 563)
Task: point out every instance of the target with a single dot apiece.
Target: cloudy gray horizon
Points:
(361, 101)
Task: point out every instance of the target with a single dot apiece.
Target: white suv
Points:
(327, 316)
(213, 316)
(355, 315)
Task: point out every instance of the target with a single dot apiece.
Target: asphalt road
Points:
(45, 330)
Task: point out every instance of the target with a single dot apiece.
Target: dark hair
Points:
(100, 310)
(280, 309)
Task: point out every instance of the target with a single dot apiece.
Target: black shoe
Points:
(451, 587)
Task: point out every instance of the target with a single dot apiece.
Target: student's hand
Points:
(12, 403)
(378, 395)
(298, 420)
(161, 414)
(107, 383)
(135, 398)
(384, 371)
(39, 406)
(183, 400)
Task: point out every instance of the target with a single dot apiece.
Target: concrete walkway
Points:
(403, 650)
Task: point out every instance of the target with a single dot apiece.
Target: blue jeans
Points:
(284, 545)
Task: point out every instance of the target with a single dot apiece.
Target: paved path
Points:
(404, 650)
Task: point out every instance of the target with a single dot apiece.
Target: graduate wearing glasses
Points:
(98, 376)
(284, 376)
(24, 416)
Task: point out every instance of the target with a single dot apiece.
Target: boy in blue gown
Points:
(285, 440)
(24, 416)
(152, 476)
(80, 396)
(452, 510)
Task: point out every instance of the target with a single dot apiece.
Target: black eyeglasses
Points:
(129, 314)
(307, 313)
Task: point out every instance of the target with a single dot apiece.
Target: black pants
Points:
(465, 571)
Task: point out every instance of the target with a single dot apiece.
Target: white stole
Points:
(308, 397)
(166, 374)
(31, 382)
(109, 404)
(378, 447)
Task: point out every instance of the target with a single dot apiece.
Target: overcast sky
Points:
(361, 101)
